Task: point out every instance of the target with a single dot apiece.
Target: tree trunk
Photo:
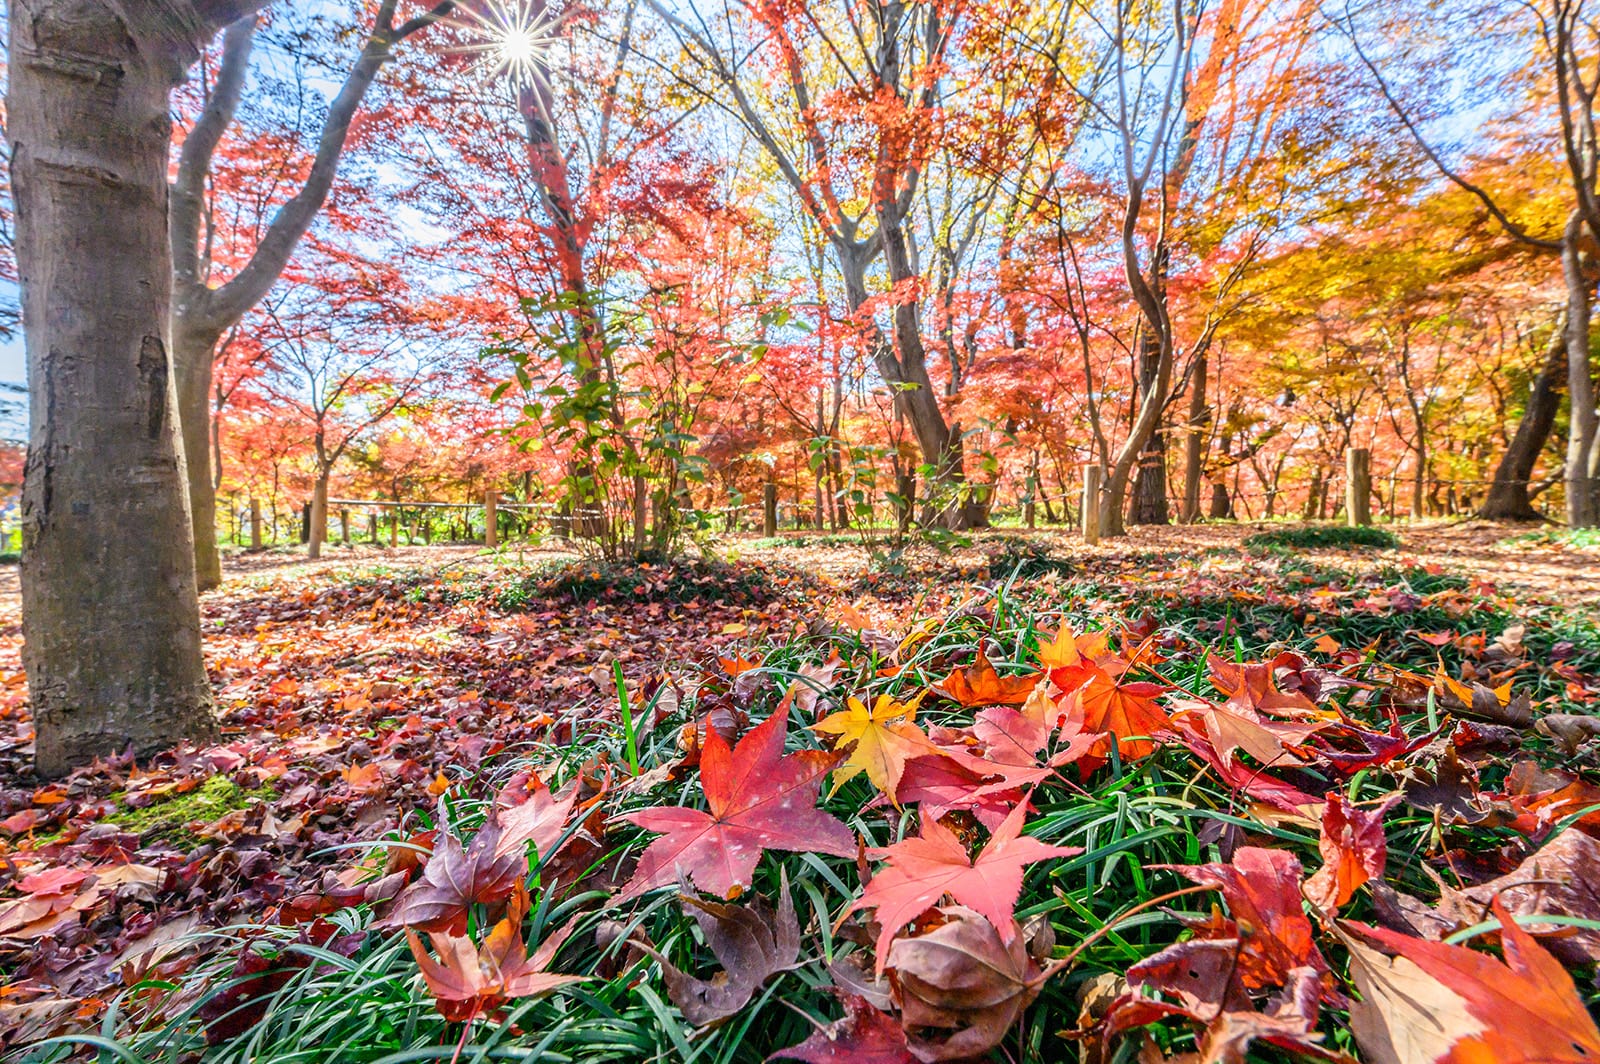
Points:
(192, 366)
(1194, 443)
(319, 516)
(1583, 509)
(1149, 505)
(1509, 498)
(110, 611)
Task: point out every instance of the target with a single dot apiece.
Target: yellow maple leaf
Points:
(885, 738)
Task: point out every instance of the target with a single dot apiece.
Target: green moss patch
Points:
(169, 819)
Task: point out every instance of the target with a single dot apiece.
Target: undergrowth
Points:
(350, 989)
(1326, 537)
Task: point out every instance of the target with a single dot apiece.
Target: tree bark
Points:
(1509, 498)
(1194, 443)
(1149, 506)
(319, 515)
(1583, 457)
(110, 609)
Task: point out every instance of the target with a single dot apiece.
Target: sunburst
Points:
(514, 39)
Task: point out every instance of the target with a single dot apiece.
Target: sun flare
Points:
(514, 39)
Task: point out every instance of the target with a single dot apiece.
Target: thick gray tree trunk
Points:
(110, 611)
(1583, 456)
(1509, 498)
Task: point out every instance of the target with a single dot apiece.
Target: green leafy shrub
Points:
(1326, 537)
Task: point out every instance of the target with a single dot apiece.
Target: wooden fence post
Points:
(305, 523)
(344, 525)
(255, 524)
(372, 528)
(769, 509)
(491, 519)
(394, 526)
(1358, 487)
(1092, 476)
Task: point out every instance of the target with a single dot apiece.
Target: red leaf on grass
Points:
(539, 818)
(455, 878)
(1431, 1002)
(1353, 851)
(864, 1036)
(1128, 711)
(757, 799)
(924, 868)
(468, 981)
(1262, 889)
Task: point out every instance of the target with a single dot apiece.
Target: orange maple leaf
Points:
(979, 685)
(1128, 711)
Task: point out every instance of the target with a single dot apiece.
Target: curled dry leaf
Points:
(962, 985)
(1353, 851)
(1569, 730)
(1562, 878)
(751, 942)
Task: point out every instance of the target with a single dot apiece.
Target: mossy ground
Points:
(170, 819)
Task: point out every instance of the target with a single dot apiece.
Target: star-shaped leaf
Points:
(1128, 711)
(924, 868)
(756, 799)
(884, 739)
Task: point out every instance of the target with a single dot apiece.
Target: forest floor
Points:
(357, 690)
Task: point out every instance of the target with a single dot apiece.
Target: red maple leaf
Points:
(979, 685)
(1453, 1005)
(1353, 851)
(468, 981)
(864, 1036)
(924, 868)
(756, 799)
(1262, 889)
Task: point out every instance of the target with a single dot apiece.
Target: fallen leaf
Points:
(979, 684)
(469, 982)
(924, 868)
(962, 985)
(865, 1035)
(880, 741)
(751, 942)
(1431, 1002)
(539, 818)
(455, 878)
(757, 799)
(1562, 878)
(1353, 849)
(1127, 711)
